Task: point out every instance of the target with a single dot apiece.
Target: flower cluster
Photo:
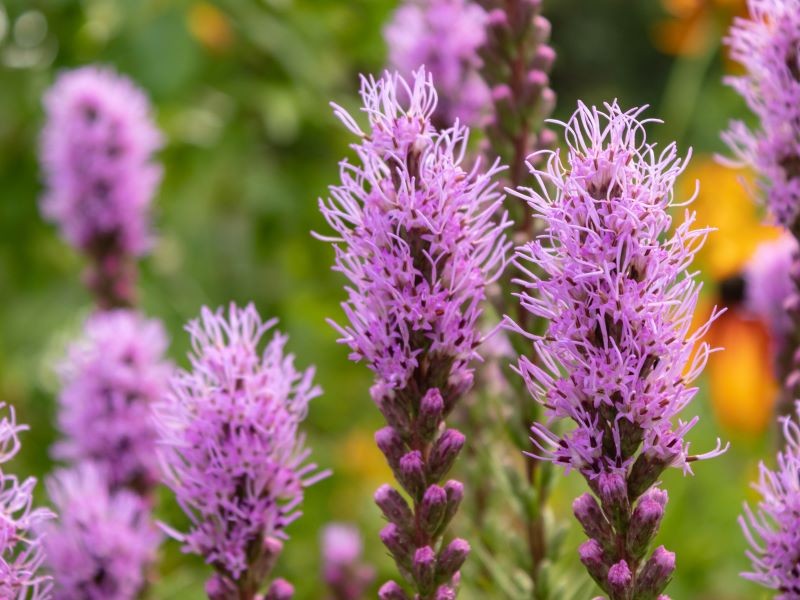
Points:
(232, 452)
(344, 573)
(419, 245)
(773, 531)
(21, 553)
(104, 541)
(96, 155)
(768, 46)
(443, 36)
(610, 274)
(516, 66)
(110, 380)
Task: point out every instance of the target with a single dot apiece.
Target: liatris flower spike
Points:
(110, 380)
(21, 553)
(96, 155)
(768, 46)
(516, 67)
(232, 452)
(443, 36)
(418, 243)
(344, 572)
(773, 530)
(104, 542)
(611, 276)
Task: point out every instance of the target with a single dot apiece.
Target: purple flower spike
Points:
(96, 155)
(103, 543)
(344, 573)
(21, 552)
(611, 275)
(232, 450)
(773, 529)
(768, 46)
(110, 380)
(417, 240)
(443, 36)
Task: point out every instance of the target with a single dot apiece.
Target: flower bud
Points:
(432, 509)
(541, 28)
(280, 590)
(394, 507)
(431, 409)
(645, 522)
(444, 453)
(391, 444)
(455, 494)
(613, 493)
(591, 555)
(219, 587)
(445, 592)
(391, 591)
(656, 573)
(411, 474)
(424, 569)
(451, 559)
(544, 58)
(591, 517)
(398, 544)
(620, 580)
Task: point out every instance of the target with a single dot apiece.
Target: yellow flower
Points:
(724, 204)
(210, 26)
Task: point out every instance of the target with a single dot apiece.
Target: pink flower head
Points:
(416, 237)
(111, 378)
(97, 148)
(773, 529)
(611, 275)
(768, 46)
(104, 541)
(444, 36)
(768, 284)
(232, 451)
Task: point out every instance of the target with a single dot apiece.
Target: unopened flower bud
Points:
(392, 591)
(592, 519)
(432, 509)
(444, 453)
(394, 507)
(656, 573)
(645, 521)
(431, 409)
(620, 580)
(411, 474)
(280, 590)
(613, 493)
(451, 559)
(391, 444)
(424, 569)
(592, 557)
(398, 544)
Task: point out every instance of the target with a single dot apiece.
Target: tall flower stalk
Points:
(417, 241)
(96, 156)
(611, 275)
(232, 450)
(767, 44)
(21, 553)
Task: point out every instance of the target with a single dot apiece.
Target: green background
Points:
(252, 144)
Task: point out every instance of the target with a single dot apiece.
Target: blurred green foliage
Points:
(241, 89)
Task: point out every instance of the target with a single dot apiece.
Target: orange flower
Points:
(742, 381)
(693, 24)
(210, 26)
